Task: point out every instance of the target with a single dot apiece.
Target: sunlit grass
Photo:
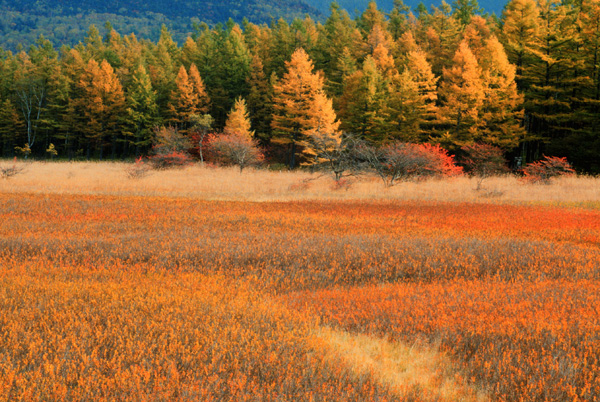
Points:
(416, 368)
(108, 178)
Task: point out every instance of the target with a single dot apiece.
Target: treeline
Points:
(528, 83)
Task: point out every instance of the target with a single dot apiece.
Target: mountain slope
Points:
(489, 6)
(67, 21)
(209, 11)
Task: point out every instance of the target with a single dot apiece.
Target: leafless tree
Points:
(232, 149)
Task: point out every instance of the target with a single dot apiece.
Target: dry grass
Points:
(107, 178)
(419, 368)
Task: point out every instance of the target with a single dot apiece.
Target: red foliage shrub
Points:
(173, 159)
(137, 170)
(545, 169)
(170, 149)
(406, 161)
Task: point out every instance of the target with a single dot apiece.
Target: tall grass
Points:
(176, 287)
(209, 183)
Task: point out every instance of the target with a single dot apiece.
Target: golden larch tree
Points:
(199, 89)
(300, 107)
(102, 104)
(188, 99)
(238, 120)
(520, 35)
(502, 110)
(363, 105)
(476, 33)
(260, 100)
(413, 99)
(461, 93)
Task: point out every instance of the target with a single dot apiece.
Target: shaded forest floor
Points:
(180, 286)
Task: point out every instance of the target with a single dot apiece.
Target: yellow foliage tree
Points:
(199, 89)
(413, 100)
(363, 105)
(461, 93)
(101, 105)
(324, 136)
(301, 108)
(238, 121)
(502, 111)
(385, 62)
(189, 98)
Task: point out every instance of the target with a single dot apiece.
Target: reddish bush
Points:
(170, 149)
(406, 161)
(546, 169)
(171, 160)
(235, 150)
(138, 170)
(11, 170)
(482, 161)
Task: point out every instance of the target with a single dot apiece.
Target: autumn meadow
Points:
(393, 204)
(194, 285)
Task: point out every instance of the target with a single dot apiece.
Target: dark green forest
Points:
(67, 21)
(527, 83)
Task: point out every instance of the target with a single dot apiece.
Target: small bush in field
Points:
(544, 170)
(138, 170)
(235, 150)
(9, 171)
(400, 161)
(342, 184)
(301, 185)
(170, 149)
(483, 161)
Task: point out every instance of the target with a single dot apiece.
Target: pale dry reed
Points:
(208, 183)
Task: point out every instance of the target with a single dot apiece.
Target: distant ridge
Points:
(209, 11)
(67, 21)
(489, 6)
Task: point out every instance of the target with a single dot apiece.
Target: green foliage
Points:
(66, 21)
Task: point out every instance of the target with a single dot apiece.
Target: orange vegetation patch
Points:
(524, 340)
(105, 297)
(130, 336)
(304, 245)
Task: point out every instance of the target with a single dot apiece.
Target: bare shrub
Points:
(400, 161)
(338, 158)
(137, 170)
(482, 161)
(235, 150)
(8, 171)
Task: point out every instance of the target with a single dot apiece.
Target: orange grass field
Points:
(107, 295)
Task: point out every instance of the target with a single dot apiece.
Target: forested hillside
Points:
(489, 6)
(209, 11)
(66, 21)
(529, 84)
